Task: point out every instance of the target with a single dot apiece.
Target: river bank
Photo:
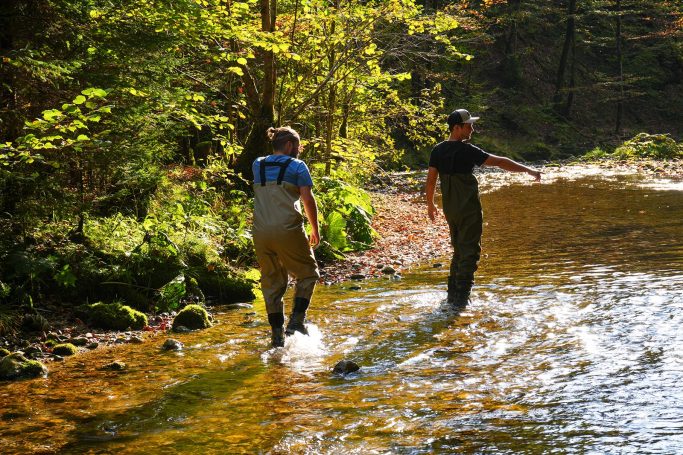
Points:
(406, 238)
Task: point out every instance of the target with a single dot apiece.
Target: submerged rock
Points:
(16, 366)
(235, 306)
(172, 345)
(193, 317)
(80, 341)
(357, 276)
(345, 367)
(116, 365)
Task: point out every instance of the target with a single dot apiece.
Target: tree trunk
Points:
(566, 48)
(332, 101)
(264, 113)
(620, 62)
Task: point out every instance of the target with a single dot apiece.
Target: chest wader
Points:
(462, 207)
(282, 249)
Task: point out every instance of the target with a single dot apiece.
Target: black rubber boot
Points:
(462, 293)
(296, 320)
(452, 289)
(277, 322)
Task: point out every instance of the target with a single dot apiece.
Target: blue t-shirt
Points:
(297, 172)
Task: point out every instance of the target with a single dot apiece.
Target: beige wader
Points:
(280, 241)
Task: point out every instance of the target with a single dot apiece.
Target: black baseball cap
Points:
(460, 116)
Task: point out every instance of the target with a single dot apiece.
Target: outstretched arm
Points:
(311, 209)
(432, 174)
(512, 166)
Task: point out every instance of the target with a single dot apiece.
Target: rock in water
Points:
(116, 365)
(172, 345)
(16, 366)
(345, 367)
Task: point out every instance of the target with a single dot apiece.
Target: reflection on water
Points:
(572, 345)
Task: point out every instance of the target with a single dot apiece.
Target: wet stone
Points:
(235, 306)
(116, 365)
(92, 345)
(437, 265)
(345, 367)
(388, 270)
(33, 352)
(182, 329)
(80, 341)
(357, 276)
(172, 345)
(57, 358)
(136, 339)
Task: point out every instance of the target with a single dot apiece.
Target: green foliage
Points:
(4, 352)
(345, 216)
(193, 317)
(644, 145)
(65, 349)
(113, 316)
(171, 294)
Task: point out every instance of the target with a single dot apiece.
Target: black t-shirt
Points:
(455, 157)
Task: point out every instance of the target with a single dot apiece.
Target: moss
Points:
(4, 352)
(16, 366)
(65, 349)
(192, 317)
(51, 343)
(115, 316)
(225, 286)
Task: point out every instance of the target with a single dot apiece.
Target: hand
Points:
(314, 239)
(431, 211)
(536, 175)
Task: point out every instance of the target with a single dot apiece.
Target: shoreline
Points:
(406, 238)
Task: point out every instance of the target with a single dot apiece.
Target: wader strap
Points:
(282, 165)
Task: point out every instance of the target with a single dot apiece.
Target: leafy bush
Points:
(346, 215)
(644, 145)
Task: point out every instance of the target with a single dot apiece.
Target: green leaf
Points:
(242, 61)
(80, 99)
(237, 70)
(94, 92)
(82, 137)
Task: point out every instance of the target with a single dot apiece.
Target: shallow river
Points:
(573, 344)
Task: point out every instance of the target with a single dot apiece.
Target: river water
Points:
(573, 344)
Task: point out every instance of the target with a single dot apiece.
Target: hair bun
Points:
(271, 133)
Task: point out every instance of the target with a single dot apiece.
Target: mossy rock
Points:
(65, 349)
(114, 316)
(4, 352)
(193, 317)
(16, 366)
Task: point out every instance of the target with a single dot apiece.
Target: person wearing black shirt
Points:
(453, 161)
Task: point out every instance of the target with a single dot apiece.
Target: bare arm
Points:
(509, 165)
(432, 174)
(311, 209)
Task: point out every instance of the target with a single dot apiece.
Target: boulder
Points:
(115, 316)
(388, 270)
(16, 366)
(193, 317)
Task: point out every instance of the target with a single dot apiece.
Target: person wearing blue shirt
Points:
(281, 183)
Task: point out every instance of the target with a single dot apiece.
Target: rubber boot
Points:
(462, 293)
(452, 288)
(277, 336)
(296, 320)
